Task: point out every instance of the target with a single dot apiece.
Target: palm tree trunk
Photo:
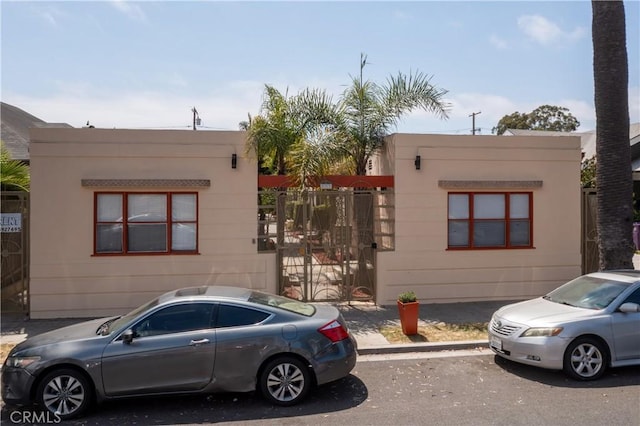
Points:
(613, 170)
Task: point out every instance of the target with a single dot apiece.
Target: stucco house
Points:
(120, 216)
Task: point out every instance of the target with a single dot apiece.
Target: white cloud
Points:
(546, 32)
(108, 109)
(51, 15)
(492, 108)
(498, 42)
(131, 10)
(399, 15)
(224, 107)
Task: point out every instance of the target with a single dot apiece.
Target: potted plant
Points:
(408, 309)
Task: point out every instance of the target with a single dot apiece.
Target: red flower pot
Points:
(409, 313)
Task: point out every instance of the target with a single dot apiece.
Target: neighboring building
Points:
(588, 141)
(15, 130)
(481, 218)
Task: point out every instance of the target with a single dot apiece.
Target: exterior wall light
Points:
(417, 162)
(234, 161)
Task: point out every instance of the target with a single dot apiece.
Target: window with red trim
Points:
(143, 223)
(490, 220)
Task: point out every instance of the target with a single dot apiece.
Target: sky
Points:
(148, 64)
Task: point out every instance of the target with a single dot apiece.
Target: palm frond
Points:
(14, 174)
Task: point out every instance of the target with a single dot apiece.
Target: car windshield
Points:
(121, 321)
(281, 302)
(588, 292)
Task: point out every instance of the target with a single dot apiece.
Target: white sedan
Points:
(583, 327)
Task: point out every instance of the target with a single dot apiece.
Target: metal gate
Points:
(326, 241)
(14, 252)
(319, 258)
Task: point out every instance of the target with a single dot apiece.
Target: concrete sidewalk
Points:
(364, 320)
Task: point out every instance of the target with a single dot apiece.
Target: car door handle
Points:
(199, 342)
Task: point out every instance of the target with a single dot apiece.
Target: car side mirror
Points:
(127, 337)
(629, 307)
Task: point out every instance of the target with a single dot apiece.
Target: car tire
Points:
(65, 393)
(285, 381)
(586, 358)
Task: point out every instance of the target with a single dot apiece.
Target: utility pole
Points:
(196, 117)
(473, 121)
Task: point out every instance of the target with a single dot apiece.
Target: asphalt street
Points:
(451, 388)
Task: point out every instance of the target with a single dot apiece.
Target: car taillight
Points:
(334, 331)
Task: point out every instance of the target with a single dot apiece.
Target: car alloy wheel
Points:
(285, 381)
(65, 393)
(585, 359)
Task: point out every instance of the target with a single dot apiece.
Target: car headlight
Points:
(542, 332)
(21, 361)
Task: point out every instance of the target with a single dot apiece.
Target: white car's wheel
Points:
(65, 393)
(285, 381)
(585, 359)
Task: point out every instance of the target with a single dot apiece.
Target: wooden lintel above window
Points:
(489, 184)
(147, 183)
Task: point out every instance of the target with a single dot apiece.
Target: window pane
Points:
(519, 206)
(183, 207)
(235, 316)
(176, 319)
(147, 237)
(147, 207)
(519, 233)
(183, 236)
(109, 238)
(488, 206)
(489, 233)
(459, 233)
(458, 206)
(109, 208)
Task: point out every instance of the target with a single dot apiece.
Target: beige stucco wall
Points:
(421, 261)
(68, 281)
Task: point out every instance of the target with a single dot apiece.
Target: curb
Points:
(423, 347)
(13, 339)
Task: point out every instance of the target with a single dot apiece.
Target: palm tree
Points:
(367, 112)
(281, 127)
(14, 174)
(613, 171)
(274, 131)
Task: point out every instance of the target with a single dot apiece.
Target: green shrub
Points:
(407, 297)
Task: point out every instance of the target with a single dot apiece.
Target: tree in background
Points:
(14, 174)
(613, 170)
(588, 173)
(545, 117)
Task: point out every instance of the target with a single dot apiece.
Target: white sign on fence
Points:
(11, 222)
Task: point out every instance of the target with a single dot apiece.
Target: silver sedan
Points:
(194, 340)
(583, 327)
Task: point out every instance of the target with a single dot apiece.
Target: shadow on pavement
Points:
(340, 395)
(613, 377)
